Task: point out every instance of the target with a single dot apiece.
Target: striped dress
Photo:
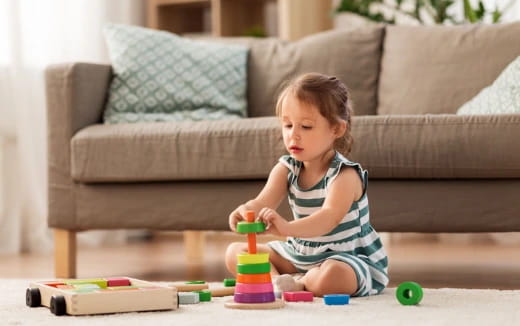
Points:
(353, 241)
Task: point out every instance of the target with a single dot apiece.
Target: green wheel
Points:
(250, 227)
(409, 293)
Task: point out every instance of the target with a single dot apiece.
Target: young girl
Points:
(330, 239)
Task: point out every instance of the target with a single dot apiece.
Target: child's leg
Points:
(332, 276)
(279, 265)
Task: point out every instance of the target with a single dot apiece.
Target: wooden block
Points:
(54, 284)
(65, 287)
(118, 281)
(229, 282)
(336, 299)
(258, 258)
(97, 301)
(188, 298)
(122, 288)
(102, 283)
(249, 306)
(297, 296)
(222, 292)
(204, 295)
(183, 287)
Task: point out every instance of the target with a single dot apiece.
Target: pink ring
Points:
(253, 288)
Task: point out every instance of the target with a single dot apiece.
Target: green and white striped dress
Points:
(353, 241)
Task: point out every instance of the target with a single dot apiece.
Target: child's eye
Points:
(287, 126)
(307, 127)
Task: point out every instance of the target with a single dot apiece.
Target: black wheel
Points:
(33, 297)
(58, 306)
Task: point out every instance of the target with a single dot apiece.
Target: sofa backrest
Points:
(353, 56)
(436, 69)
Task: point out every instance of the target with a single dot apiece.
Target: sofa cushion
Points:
(503, 96)
(352, 56)
(440, 146)
(159, 76)
(204, 150)
(436, 69)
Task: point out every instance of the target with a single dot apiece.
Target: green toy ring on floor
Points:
(250, 227)
(409, 293)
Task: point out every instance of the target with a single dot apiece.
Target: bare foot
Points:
(286, 283)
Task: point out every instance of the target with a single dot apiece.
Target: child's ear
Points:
(340, 128)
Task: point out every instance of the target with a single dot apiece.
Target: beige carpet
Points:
(438, 307)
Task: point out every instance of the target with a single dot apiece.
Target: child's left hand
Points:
(275, 224)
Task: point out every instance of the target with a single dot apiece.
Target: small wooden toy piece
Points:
(258, 258)
(222, 292)
(409, 293)
(188, 297)
(229, 282)
(251, 236)
(94, 296)
(188, 287)
(118, 281)
(254, 287)
(253, 268)
(248, 227)
(204, 295)
(254, 278)
(336, 299)
(297, 296)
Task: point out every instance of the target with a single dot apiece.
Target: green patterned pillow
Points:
(159, 76)
(502, 97)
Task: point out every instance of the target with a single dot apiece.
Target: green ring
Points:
(250, 227)
(253, 268)
(409, 293)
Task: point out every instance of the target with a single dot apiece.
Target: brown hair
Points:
(329, 95)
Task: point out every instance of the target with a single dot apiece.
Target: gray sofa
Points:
(430, 170)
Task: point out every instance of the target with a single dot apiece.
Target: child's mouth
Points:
(295, 149)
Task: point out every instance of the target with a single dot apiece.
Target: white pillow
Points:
(501, 97)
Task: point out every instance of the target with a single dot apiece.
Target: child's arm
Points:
(344, 190)
(271, 195)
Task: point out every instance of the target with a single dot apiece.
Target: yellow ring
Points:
(253, 258)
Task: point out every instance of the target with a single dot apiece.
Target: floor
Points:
(432, 264)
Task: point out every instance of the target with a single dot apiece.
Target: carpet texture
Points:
(438, 307)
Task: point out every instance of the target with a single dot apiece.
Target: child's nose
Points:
(295, 134)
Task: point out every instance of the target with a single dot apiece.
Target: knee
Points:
(231, 254)
(335, 277)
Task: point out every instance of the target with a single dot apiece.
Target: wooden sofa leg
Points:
(64, 253)
(194, 243)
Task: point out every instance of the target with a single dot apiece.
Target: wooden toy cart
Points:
(100, 296)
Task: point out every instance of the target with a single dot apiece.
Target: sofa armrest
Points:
(76, 94)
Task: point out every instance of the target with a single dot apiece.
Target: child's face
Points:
(307, 135)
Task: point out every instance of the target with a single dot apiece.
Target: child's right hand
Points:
(238, 215)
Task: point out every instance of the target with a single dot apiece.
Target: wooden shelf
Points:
(296, 18)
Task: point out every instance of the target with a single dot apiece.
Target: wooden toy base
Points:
(249, 306)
